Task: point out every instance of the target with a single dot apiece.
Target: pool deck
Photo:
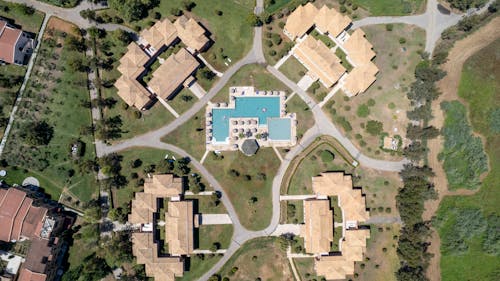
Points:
(243, 128)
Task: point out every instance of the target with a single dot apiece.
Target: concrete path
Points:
(305, 82)
(197, 90)
(384, 220)
(219, 74)
(278, 154)
(169, 108)
(296, 197)
(292, 264)
(199, 251)
(211, 219)
(23, 86)
(286, 228)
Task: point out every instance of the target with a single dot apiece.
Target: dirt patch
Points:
(56, 23)
(461, 51)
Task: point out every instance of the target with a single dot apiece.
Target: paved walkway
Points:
(296, 197)
(286, 228)
(210, 219)
(305, 82)
(197, 90)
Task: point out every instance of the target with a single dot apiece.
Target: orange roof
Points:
(318, 226)
(300, 20)
(28, 275)
(350, 200)
(360, 78)
(143, 207)
(8, 40)
(33, 223)
(161, 33)
(319, 60)
(172, 73)
(132, 92)
(179, 227)
(359, 48)
(163, 186)
(191, 33)
(331, 21)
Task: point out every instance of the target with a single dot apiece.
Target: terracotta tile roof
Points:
(20, 218)
(319, 60)
(38, 255)
(34, 221)
(8, 40)
(318, 227)
(160, 34)
(143, 207)
(350, 200)
(177, 68)
(27, 275)
(10, 205)
(179, 227)
(360, 78)
(300, 20)
(360, 50)
(163, 186)
(161, 268)
(191, 33)
(132, 92)
(325, 19)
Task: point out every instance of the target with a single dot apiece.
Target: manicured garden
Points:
(293, 69)
(381, 110)
(261, 258)
(247, 181)
(215, 237)
(48, 136)
(468, 225)
(392, 7)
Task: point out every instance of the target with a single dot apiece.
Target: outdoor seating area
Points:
(250, 114)
(173, 71)
(321, 61)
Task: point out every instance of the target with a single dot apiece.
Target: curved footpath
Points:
(433, 21)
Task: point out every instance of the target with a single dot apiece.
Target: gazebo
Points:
(250, 147)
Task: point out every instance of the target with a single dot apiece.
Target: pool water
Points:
(245, 107)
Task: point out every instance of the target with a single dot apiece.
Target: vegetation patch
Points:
(215, 237)
(391, 7)
(463, 155)
(293, 69)
(304, 114)
(22, 15)
(248, 183)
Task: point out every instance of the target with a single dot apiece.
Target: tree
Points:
(132, 10)
(374, 127)
(38, 133)
(254, 20)
(188, 5)
(415, 151)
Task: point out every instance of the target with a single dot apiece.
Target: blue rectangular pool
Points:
(280, 129)
(245, 107)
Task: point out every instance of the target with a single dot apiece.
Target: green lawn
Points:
(14, 11)
(391, 7)
(182, 101)
(318, 91)
(251, 75)
(253, 215)
(305, 268)
(197, 266)
(210, 234)
(343, 57)
(323, 38)
(295, 211)
(55, 94)
(263, 258)
(304, 115)
(480, 258)
(191, 135)
(205, 204)
(293, 69)
(14, 74)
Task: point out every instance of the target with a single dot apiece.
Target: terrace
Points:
(250, 115)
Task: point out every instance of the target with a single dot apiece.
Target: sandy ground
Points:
(462, 50)
(61, 25)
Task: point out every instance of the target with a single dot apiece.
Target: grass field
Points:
(210, 234)
(191, 135)
(204, 204)
(293, 69)
(55, 94)
(391, 7)
(304, 115)
(197, 266)
(305, 268)
(182, 101)
(253, 214)
(8, 94)
(262, 258)
(386, 98)
(479, 255)
(27, 22)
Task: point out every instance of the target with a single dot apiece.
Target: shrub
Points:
(327, 156)
(363, 111)
(374, 127)
(391, 105)
(402, 40)
(370, 102)
(389, 27)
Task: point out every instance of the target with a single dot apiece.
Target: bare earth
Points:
(462, 50)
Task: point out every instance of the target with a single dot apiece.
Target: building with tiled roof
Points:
(170, 76)
(321, 62)
(18, 217)
(179, 227)
(317, 229)
(191, 33)
(16, 45)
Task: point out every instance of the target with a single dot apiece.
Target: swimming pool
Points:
(280, 129)
(245, 107)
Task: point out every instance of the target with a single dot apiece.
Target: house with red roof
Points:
(16, 46)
